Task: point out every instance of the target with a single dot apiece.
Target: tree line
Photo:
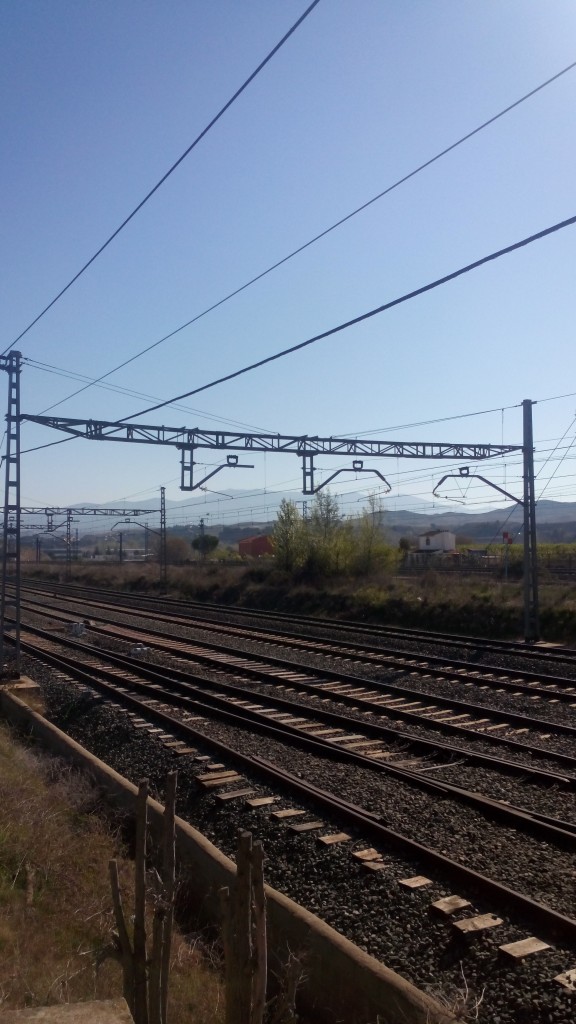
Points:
(323, 543)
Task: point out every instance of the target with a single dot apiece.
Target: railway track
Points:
(405, 749)
(182, 687)
(386, 701)
(150, 694)
(257, 732)
(535, 684)
(540, 654)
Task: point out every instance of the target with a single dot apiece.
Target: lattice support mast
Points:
(163, 547)
(12, 364)
(531, 610)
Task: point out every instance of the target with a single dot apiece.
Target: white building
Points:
(437, 540)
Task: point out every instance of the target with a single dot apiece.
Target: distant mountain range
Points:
(556, 520)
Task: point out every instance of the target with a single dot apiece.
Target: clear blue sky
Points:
(101, 97)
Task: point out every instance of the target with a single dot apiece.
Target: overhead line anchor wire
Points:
(158, 184)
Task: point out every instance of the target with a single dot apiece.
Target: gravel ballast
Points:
(368, 907)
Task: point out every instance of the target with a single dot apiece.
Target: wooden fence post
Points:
(259, 951)
(244, 936)
(146, 977)
(169, 884)
(140, 972)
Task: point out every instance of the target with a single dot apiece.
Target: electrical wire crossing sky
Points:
(376, 149)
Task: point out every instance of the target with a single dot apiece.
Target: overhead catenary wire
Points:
(560, 225)
(170, 171)
(322, 234)
(438, 419)
(570, 221)
(560, 461)
(131, 393)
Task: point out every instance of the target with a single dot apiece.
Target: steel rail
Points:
(514, 647)
(552, 829)
(337, 676)
(353, 700)
(551, 923)
(404, 663)
(435, 665)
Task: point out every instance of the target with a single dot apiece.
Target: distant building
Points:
(254, 547)
(437, 540)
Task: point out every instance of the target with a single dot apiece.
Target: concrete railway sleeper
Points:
(389, 699)
(407, 913)
(549, 922)
(516, 681)
(342, 747)
(351, 696)
(376, 730)
(375, 631)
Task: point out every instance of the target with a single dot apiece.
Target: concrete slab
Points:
(567, 979)
(336, 837)
(23, 683)
(449, 905)
(365, 855)
(478, 924)
(525, 947)
(307, 826)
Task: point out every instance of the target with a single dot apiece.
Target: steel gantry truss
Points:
(69, 514)
(189, 440)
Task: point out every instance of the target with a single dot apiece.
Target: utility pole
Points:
(531, 614)
(120, 548)
(68, 546)
(202, 535)
(38, 549)
(12, 363)
(163, 546)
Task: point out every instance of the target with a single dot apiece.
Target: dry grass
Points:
(55, 904)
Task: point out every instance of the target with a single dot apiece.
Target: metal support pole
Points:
(38, 549)
(187, 469)
(68, 546)
(307, 474)
(202, 535)
(11, 531)
(531, 616)
(163, 551)
(120, 549)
